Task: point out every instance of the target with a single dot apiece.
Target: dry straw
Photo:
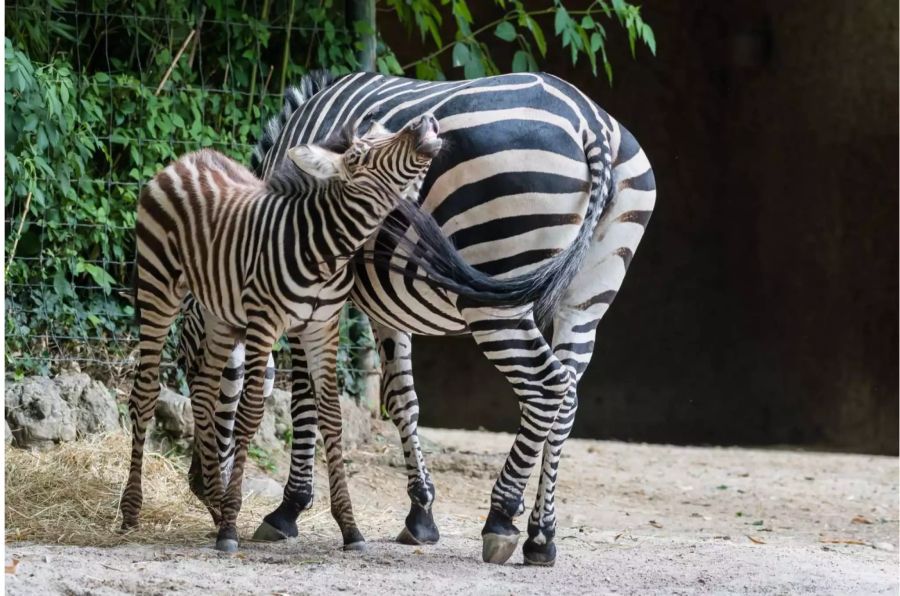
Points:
(70, 495)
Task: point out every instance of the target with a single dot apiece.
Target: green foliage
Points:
(100, 94)
(262, 458)
(580, 32)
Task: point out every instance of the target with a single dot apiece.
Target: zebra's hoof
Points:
(227, 540)
(353, 539)
(358, 547)
(266, 532)
(498, 548)
(128, 525)
(420, 527)
(541, 555)
(227, 545)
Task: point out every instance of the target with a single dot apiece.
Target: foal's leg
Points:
(158, 303)
(399, 398)
(262, 332)
(321, 343)
(218, 345)
(298, 492)
(515, 346)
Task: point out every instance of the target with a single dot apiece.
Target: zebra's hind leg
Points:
(514, 344)
(157, 309)
(262, 332)
(399, 398)
(320, 341)
(573, 344)
(298, 492)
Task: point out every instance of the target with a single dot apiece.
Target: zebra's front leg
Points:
(231, 387)
(320, 341)
(399, 398)
(298, 492)
(262, 332)
(513, 343)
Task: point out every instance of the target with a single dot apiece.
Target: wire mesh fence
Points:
(100, 95)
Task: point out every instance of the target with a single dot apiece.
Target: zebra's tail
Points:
(294, 97)
(440, 264)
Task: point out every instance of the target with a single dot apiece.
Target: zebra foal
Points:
(260, 257)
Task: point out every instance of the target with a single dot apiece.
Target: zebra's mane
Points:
(294, 97)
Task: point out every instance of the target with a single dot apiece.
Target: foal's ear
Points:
(316, 161)
(377, 130)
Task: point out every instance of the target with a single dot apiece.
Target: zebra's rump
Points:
(510, 189)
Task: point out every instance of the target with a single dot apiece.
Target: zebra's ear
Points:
(316, 161)
(377, 130)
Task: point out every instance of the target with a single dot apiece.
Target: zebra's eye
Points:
(356, 156)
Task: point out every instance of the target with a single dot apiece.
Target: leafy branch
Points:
(581, 31)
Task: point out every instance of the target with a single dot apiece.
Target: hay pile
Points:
(70, 495)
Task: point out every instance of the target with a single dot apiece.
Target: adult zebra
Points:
(533, 173)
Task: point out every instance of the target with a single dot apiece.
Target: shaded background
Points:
(761, 308)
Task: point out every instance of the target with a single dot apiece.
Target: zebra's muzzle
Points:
(426, 129)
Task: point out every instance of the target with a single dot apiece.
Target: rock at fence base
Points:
(266, 438)
(357, 423)
(280, 405)
(37, 415)
(174, 417)
(262, 486)
(71, 385)
(9, 436)
(94, 405)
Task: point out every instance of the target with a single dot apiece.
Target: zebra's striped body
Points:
(260, 257)
(531, 169)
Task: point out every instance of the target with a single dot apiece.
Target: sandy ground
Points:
(634, 519)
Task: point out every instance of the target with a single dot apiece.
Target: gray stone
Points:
(262, 486)
(37, 414)
(174, 417)
(266, 437)
(275, 423)
(9, 435)
(357, 423)
(280, 405)
(94, 405)
(71, 385)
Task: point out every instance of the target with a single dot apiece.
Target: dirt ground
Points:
(634, 519)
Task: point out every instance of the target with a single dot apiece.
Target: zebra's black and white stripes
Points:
(533, 174)
(259, 257)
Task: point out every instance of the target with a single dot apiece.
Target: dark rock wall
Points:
(762, 305)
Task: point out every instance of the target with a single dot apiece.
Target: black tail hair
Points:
(440, 263)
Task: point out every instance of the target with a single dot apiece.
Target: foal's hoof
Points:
(128, 526)
(227, 542)
(498, 548)
(227, 545)
(266, 532)
(358, 547)
(420, 527)
(541, 555)
(353, 540)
